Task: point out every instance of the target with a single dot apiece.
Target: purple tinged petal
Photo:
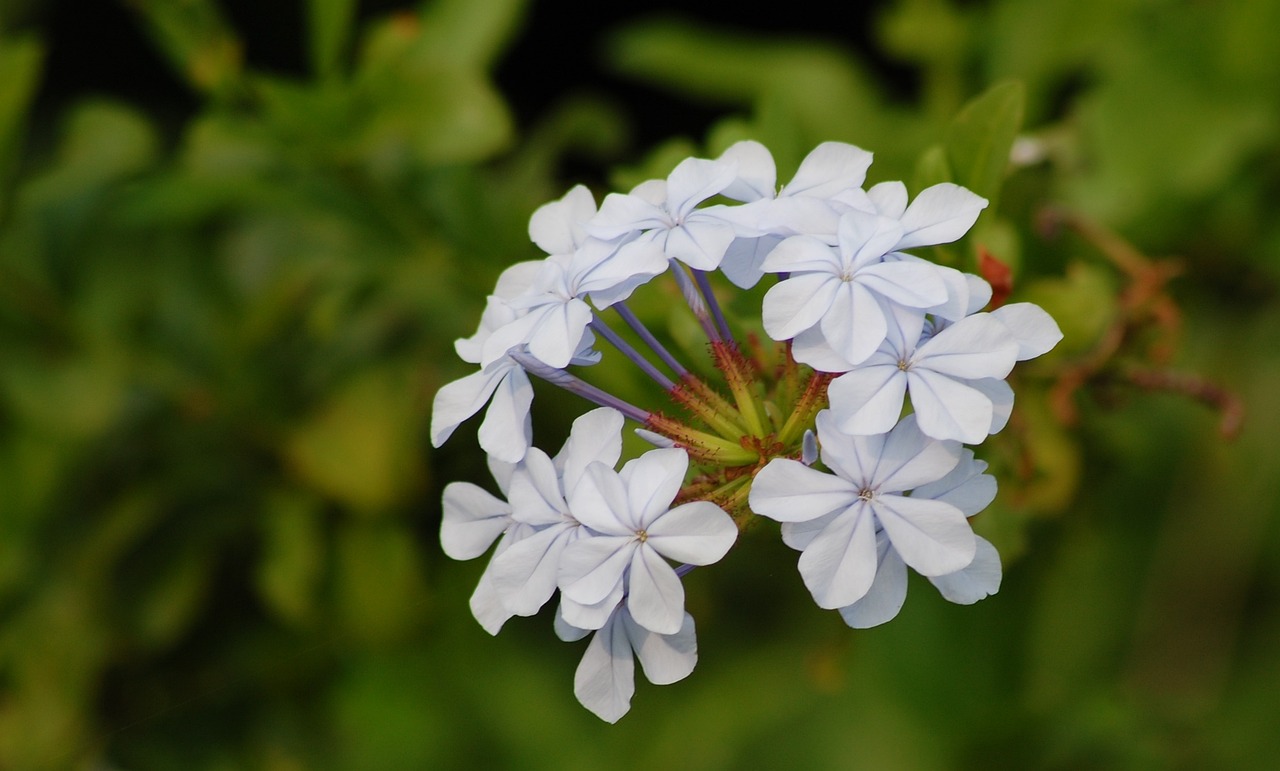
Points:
(794, 305)
(743, 258)
(811, 347)
(798, 535)
(665, 658)
(559, 332)
(487, 605)
(840, 562)
(939, 215)
(933, 537)
(888, 592)
(535, 494)
(564, 630)
(695, 533)
(473, 520)
(852, 457)
(655, 596)
(789, 491)
(605, 679)
(1001, 395)
(592, 616)
(977, 581)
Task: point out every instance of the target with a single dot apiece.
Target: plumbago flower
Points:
(809, 432)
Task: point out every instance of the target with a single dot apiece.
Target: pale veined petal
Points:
(1034, 329)
(652, 481)
(980, 579)
(854, 323)
(905, 282)
(605, 679)
(868, 399)
(890, 198)
(852, 457)
(665, 658)
(599, 501)
(592, 567)
(557, 227)
(757, 176)
(700, 245)
(840, 562)
(694, 180)
(888, 591)
(949, 409)
(655, 596)
(473, 520)
(966, 486)
(564, 630)
(595, 436)
(697, 533)
(829, 169)
(975, 347)
(908, 458)
(802, 254)
(789, 491)
(939, 215)
(933, 537)
(526, 574)
(535, 493)
(794, 305)
(1001, 395)
(743, 258)
(460, 399)
(592, 616)
(622, 214)
(506, 430)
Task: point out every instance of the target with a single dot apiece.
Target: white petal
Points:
(949, 409)
(909, 283)
(884, 599)
(557, 337)
(621, 214)
(592, 567)
(852, 457)
(665, 658)
(908, 458)
(1035, 330)
(655, 596)
(757, 176)
(802, 254)
(811, 347)
(487, 605)
(940, 215)
(979, 580)
(966, 486)
(557, 227)
(473, 520)
(890, 198)
(788, 491)
(700, 245)
(526, 573)
(595, 436)
(1001, 396)
(743, 258)
(868, 399)
(506, 430)
(599, 501)
(933, 537)
(535, 494)
(830, 169)
(652, 481)
(566, 631)
(974, 347)
(798, 535)
(695, 180)
(794, 305)
(840, 562)
(854, 324)
(605, 679)
(460, 399)
(592, 616)
(698, 533)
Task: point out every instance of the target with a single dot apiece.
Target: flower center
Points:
(642, 535)
(866, 494)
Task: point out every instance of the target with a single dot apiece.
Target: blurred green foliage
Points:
(219, 341)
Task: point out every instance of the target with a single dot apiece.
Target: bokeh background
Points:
(237, 240)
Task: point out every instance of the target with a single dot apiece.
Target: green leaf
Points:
(932, 168)
(199, 44)
(20, 62)
(380, 591)
(329, 22)
(979, 139)
(292, 566)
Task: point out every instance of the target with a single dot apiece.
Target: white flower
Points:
(605, 679)
(664, 214)
(936, 370)
(862, 495)
(836, 289)
(525, 574)
(633, 530)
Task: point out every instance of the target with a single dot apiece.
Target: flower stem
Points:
(625, 348)
(643, 332)
(575, 385)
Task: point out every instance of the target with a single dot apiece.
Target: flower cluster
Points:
(813, 437)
